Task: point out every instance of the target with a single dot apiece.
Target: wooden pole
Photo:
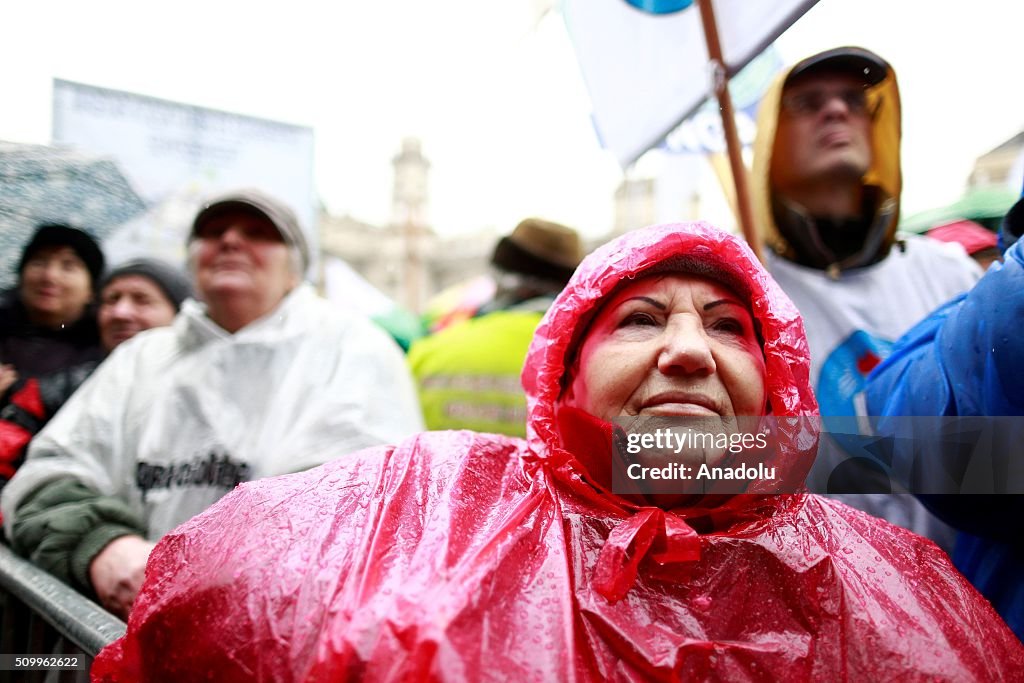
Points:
(732, 138)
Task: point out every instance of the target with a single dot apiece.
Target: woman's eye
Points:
(260, 233)
(729, 325)
(210, 232)
(641, 319)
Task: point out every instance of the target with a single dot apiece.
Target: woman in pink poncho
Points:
(462, 556)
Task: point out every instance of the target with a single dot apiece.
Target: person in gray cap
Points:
(259, 377)
(826, 189)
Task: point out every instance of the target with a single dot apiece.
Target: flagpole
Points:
(732, 139)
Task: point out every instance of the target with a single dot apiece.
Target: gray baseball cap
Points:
(277, 212)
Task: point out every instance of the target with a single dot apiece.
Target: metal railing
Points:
(44, 617)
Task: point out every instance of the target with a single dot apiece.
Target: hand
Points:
(117, 573)
(8, 376)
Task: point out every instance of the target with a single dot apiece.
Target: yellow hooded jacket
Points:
(857, 305)
(884, 173)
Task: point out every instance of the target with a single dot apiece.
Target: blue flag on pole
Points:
(660, 6)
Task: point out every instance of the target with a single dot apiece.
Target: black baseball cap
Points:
(855, 61)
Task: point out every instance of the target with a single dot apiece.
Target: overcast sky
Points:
(494, 95)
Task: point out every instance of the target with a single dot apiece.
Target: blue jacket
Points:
(966, 360)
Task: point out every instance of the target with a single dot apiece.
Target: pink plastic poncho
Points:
(460, 556)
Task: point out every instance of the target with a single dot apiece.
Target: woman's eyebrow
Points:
(709, 306)
(657, 304)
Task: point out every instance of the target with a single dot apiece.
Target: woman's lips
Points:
(230, 265)
(680, 404)
(677, 410)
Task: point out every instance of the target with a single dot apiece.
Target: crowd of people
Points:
(265, 488)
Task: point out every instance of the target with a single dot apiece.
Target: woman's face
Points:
(674, 345)
(55, 286)
(241, 266)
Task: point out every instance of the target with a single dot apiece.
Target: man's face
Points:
(824, 133)
(130, 304)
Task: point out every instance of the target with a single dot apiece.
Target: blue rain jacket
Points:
(966, 359)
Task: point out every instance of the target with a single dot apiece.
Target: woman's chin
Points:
(228, 284)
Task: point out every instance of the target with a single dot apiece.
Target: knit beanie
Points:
(171, 281)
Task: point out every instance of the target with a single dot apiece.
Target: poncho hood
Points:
(700, 248)
(883, 173)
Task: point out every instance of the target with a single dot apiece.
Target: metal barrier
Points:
(44, 617)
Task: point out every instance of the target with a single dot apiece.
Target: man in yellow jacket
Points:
(826, 185)
(467, 375)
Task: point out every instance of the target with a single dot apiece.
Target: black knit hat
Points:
(171, 281)
(58, 235)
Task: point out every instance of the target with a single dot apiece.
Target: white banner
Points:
(646, 73)
(170, 149)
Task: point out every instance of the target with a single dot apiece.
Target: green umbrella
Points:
(985, 205)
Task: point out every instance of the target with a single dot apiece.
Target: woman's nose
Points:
(685, 350)
(232, 235)
(51, 270)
